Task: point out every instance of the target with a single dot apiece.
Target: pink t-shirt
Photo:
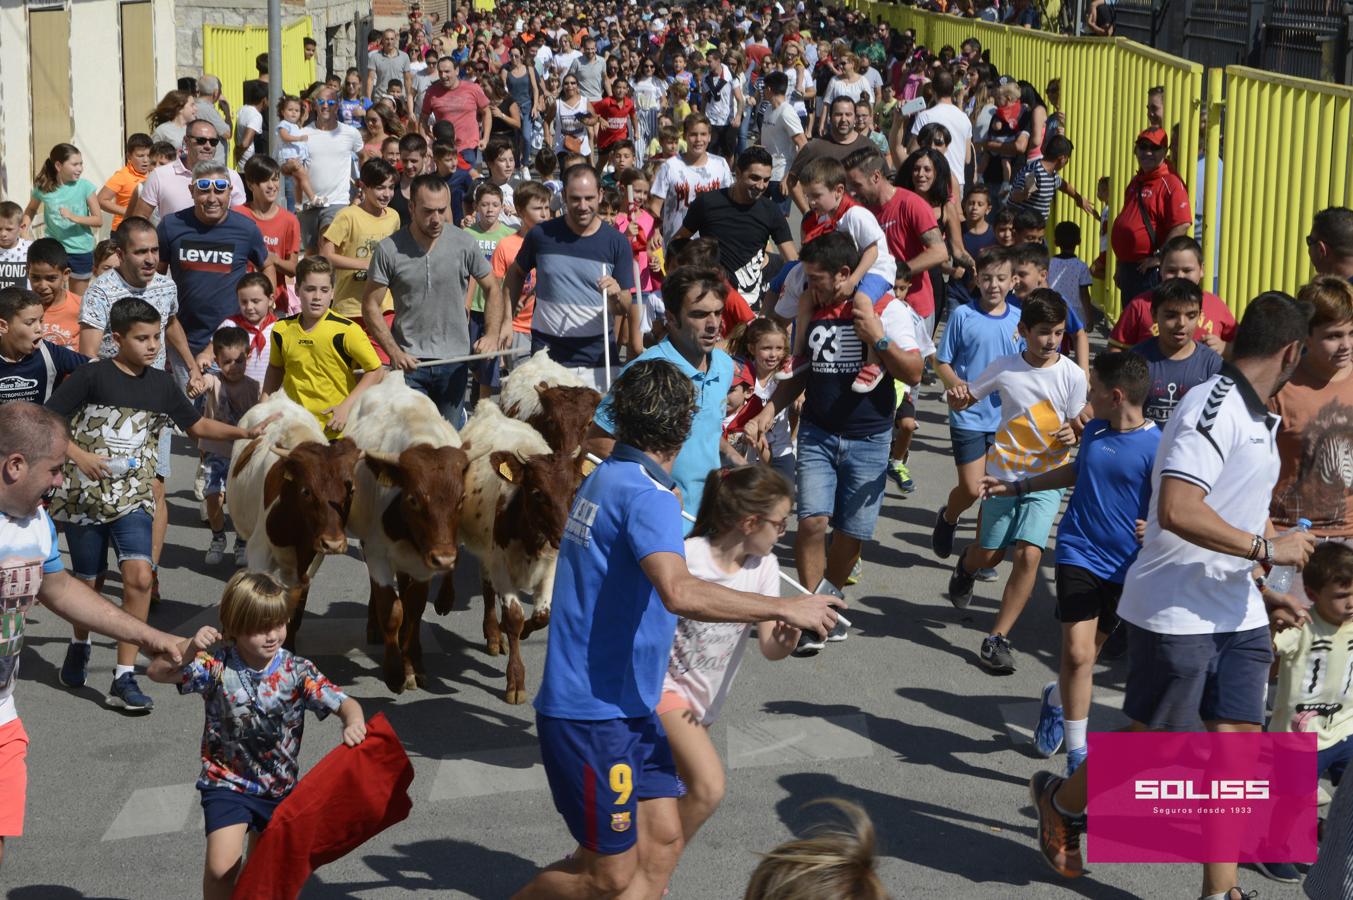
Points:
(647, 282)
(461, 106)
(166, 189)
(705, 655)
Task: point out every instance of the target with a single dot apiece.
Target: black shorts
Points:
(1175, 680)
(906, 409)
(1082, 595)
(723, 140)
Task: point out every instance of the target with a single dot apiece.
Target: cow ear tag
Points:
(506, 471)
(588, 467)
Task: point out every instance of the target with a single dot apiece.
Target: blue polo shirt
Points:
(610, 635)
(700, 453)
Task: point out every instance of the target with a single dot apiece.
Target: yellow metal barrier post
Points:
(1210, 191)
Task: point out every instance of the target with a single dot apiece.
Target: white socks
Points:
(119, 671)
(85, 641)
(1074, 732)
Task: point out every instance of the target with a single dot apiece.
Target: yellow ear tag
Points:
(588, 467)
(506, 471)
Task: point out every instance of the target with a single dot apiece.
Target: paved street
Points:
(899, 719)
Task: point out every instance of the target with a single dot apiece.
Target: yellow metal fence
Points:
(1286, 141)
(229, 52)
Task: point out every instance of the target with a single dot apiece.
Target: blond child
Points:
(294, 155)
(256, 694)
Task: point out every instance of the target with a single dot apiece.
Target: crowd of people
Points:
(621, 190)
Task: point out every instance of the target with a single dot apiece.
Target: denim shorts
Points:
(166, 453)
(842, 478)
(1176, 680)
(129, 536)
(970, 446)
(217, 468)
(1006, 520)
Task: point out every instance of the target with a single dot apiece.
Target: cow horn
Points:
(283, 452)
(390, 459)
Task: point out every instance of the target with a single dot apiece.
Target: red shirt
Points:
(1167, 203)
(615, 120)
(735, 312)
(460, 106)
(1136, 325)
(904, 218)
(282, 237)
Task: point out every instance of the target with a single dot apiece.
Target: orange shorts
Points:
(13, 777)
(389, 316)
(671, 700)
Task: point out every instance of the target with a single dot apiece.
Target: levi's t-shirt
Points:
(206, 262)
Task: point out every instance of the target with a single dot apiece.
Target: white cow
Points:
(405, 511)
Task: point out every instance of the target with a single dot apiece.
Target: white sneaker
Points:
(216, 550)
(240, 560)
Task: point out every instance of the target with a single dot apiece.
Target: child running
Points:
(824, 186)
(761, 347)
(70, 210)
(742, 514)
(1097, 539)
(256, 695)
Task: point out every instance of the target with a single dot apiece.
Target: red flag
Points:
(353, 794)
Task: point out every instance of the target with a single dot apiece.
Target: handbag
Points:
(573, 144)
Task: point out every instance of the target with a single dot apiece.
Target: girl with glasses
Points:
(743, 512)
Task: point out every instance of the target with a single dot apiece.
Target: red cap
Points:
(1155, 136)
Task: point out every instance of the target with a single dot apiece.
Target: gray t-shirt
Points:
(387, 69)
(110, 287)
(429, 290)
(589, 75)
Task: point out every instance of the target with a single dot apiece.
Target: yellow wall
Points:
(229, 53)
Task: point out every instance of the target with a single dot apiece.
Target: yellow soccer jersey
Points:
(317, 365)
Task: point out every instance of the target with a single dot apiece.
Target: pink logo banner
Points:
(1199, 797)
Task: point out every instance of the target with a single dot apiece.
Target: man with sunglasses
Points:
(333, 147)
(166, 189)
(206, 249)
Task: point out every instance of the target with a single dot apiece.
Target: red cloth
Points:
(815, 225)
(258, 341)
(1136, 324)
(735, 311)
(353, 794)
(1167, 203)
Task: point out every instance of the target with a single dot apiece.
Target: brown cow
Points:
(292, 511)
(405, 511)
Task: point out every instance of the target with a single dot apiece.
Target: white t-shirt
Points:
(865, 231)
(705, 655)
(568, 121)
(901, 325)
(859, 89)
(677, 183)
(251, 119)
(719, 105)
(28, 551)
(960, 133)
(331, 156)
(564, 61)
(1222, 439)
(777, 136)
(1035, 403)
(544, 60)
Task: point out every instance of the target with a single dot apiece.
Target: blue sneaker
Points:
(126, 693)
(1074, 759)
(75, 668)
(1284, 872)
(1048, 735)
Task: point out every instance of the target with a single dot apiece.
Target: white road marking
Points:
(158, 810)
(797, 739)
(488, 772)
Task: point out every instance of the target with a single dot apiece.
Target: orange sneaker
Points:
(1059, 835)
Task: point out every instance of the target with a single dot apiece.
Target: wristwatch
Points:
(882, 344)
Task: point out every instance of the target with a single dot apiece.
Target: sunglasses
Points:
(206, 141)
(326, 102)
(215, 185)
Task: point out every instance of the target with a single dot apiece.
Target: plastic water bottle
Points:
(117, 467)
(1280, 577)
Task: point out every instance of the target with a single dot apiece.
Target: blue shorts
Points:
(129, 536)
(217, 467)
(166, 453)
(223, 807)
(842, 478)
(970, 445)
(81, 265)
(873, 286)
(1006, 520)
(1176, 680)
(592, 770)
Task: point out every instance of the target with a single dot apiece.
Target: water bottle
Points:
(117, 467)
(1280, 577)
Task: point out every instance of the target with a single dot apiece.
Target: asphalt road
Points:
(899, 719)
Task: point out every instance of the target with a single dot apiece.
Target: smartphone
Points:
(913, 106)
